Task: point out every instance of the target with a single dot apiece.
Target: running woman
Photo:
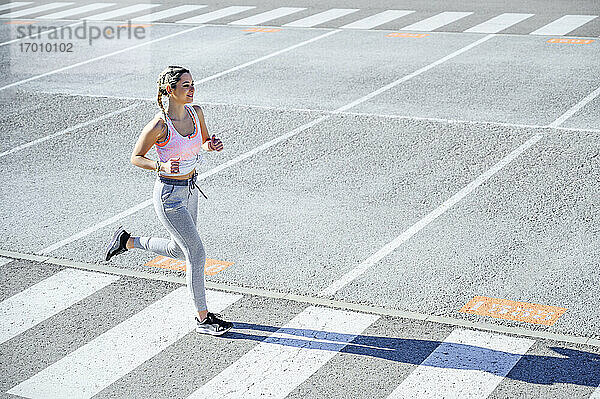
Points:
(179, 133)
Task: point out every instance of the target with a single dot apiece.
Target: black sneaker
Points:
(213, 325)
(118, 244)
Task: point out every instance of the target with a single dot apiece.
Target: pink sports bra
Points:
(186, 148)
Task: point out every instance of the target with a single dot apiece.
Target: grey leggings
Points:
(177, 209)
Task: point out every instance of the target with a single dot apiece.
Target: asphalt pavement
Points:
(395, 175)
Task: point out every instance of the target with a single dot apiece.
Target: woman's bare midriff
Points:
(184, 177)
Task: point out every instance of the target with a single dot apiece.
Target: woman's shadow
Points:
(570, 366)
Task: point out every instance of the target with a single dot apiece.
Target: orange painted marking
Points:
(20, 22)
(571, 41)
(211, 267)
(268, 30)
(413, 35)
(512, 310)
(135, 26)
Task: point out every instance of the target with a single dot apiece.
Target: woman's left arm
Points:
(208, 143)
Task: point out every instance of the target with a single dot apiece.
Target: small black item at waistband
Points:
(191, 182)
(175, 182)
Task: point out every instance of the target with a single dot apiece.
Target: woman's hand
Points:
(215, 144)
(171, 166)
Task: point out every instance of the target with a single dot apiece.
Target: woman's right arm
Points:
(150, 134)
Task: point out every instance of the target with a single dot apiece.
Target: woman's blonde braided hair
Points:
(168, 77)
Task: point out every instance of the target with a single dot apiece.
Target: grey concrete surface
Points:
(530, 234)
(297, 216)
(506, 79)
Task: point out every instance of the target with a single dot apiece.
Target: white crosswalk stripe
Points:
(276, 366)
(564, 25)
(437, 21)
(561, 26)
(267, 16)
(33, 10)
(499, 23)
(171, 12)
(214, 15)
(14, 4)
(50, 296)
(106, 16)
(102, 361)
(467, 365)
(75, 11)
(321, 17)
(377, 19)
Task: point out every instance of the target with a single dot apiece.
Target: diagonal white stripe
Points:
(564, 25)
(120, 12)
(595, 394)
(377, 19)
(14, 4)
(499, 23)
(102, 361)
(77, 10)
(276, 366)
(66, 131)
(20, 82)
(426, 220)
(155, 16)
(321, 17)
(33, 10)
(571, 111)
(437, 21)
(467, 365)
(267, 16)
(218, 14)
(50, 296)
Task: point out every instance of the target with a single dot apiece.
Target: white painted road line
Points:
(321, 17)
(20, 82)
(412, 75)
(467, 365)
(75, 11)
(102, 361)
(109, 15)
(377, 19)
(276, 366)
(50, 296)
(33, 10)
(97, 226)
(267, 16)
(276, 53)
(415, 228)
(214, 15)
(66, 131)
(563, 25)
(595, 394)
(437, 21)
(559, 121)
(14, 4)
(426, 220)
(155, 16)
(499, 23)
(262, 147)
